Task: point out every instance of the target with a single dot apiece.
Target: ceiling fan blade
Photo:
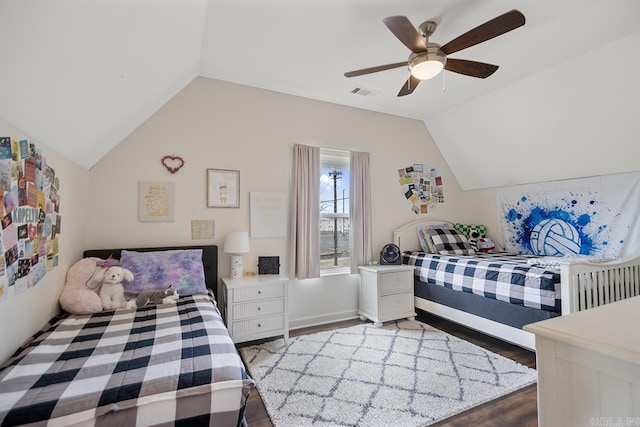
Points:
(402, 28)
(409, 86)
(470, 68)
(375, 69)
(490, 29)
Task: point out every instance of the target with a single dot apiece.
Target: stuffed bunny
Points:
(78, 297)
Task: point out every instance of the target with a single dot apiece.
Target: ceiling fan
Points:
(428, 59)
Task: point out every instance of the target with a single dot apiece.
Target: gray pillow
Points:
(450, 242)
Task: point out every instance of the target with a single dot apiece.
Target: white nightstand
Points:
(256, 307)
(386, 293)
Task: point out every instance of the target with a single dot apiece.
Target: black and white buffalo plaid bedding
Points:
(152, 366)
(500, 276)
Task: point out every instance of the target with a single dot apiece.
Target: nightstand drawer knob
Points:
(259, 309)
(259, 292)
(259, 325)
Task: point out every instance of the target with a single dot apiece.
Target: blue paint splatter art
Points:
(565, 226)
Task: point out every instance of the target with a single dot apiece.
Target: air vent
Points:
(364, 92)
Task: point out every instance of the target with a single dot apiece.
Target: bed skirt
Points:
(498, 311)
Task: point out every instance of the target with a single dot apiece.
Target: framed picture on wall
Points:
(223, 188)
(156, 201)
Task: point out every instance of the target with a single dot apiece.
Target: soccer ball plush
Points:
(485, 244)
(474, 237)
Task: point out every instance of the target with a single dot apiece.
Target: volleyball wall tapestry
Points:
(589, 216)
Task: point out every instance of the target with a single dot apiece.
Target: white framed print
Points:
(223, 188)
(268, 212)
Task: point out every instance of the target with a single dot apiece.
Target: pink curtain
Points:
(304, 233)
(360, 210)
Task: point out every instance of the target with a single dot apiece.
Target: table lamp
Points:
(236, 243)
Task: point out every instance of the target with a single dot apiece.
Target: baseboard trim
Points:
(307, 322)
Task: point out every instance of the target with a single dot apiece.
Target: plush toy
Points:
(77, 297)
(163, 296)
(474, 237)
(485, 244)
(111, 290)
(96, 279)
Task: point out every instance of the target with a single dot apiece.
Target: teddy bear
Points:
(79, 296)
(112, 290)
(162, 296)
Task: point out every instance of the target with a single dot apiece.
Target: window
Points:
(335, 224)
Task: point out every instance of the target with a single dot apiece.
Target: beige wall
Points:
(22, 315)
(214, 124)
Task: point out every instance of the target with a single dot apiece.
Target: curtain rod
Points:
(342, 152)
(332, 150)
(335, 150)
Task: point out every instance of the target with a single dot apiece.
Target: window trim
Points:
(335, 271)
(332, 215)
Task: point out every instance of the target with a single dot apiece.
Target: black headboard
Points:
(209, 259)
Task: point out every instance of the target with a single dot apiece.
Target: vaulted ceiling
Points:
(81, 75)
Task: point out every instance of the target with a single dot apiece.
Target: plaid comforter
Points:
(501, 276)
(148, 366)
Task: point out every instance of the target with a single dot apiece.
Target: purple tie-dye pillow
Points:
(158, 270)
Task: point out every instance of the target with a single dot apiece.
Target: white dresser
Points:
(589, 366)
(256, 307)
(386, 293)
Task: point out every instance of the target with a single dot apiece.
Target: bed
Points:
(542, 292)
(164, 364)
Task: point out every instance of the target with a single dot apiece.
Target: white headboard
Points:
(406, 236)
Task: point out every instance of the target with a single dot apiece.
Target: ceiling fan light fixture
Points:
(427, 65)
(426, 69)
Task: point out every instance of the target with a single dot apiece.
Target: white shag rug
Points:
(405, 373)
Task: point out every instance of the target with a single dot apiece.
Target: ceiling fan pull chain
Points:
(444, 82)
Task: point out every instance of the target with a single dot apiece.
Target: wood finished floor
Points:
(516, 409)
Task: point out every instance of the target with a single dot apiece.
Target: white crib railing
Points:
(589, 285)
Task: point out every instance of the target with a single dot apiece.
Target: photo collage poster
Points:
(30, 216)
(421, 186)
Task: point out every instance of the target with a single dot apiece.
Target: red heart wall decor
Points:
(172, 163)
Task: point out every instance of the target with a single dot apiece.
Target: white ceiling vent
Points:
(362, 91)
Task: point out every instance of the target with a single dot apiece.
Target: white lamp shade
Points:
(236, 242)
